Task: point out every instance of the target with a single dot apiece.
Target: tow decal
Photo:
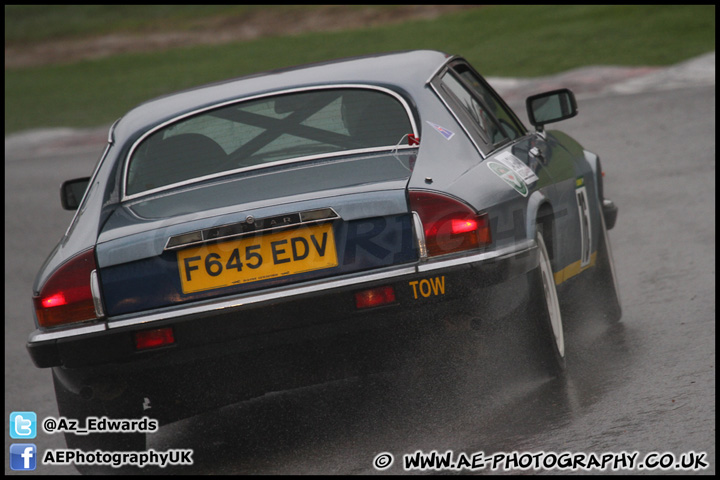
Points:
(432, 287)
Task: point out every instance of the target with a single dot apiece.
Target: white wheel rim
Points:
(551, 298)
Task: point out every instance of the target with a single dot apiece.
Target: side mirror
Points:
(551, 107)
(72, 192)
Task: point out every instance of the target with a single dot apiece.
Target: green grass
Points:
(33, 23)
(498, 40)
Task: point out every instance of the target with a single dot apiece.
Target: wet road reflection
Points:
(492, 402)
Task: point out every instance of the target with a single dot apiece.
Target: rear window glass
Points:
(267, 130)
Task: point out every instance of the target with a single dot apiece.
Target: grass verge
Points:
(499, 40)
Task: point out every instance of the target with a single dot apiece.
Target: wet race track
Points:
(644, 385)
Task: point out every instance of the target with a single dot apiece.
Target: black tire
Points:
(545, 311)
(74, 406)
(606, 293)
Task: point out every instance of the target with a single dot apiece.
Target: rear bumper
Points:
(263, 341)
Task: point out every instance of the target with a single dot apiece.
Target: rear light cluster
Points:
(449, 225)
(67, 296)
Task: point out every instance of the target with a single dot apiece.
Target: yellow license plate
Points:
(253, 259)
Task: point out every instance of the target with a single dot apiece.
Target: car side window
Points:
(477, 111)
(505, 118)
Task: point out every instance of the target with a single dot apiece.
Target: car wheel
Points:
(74, 406)
(545, 309)
(606, 292)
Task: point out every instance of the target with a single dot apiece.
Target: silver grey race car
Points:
(307, 224)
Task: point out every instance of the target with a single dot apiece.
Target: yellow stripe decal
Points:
(573, 269)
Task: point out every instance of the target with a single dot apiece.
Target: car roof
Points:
(402, 70)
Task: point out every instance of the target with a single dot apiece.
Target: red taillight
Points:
(450, 225)
(375, 297)
(54, 300)
(66, 297)
(463, 226)
(157, 337)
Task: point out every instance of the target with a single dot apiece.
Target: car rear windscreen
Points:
(265, 131)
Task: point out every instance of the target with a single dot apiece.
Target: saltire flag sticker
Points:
(443, 131)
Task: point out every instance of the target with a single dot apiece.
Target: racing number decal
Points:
(584, 216)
